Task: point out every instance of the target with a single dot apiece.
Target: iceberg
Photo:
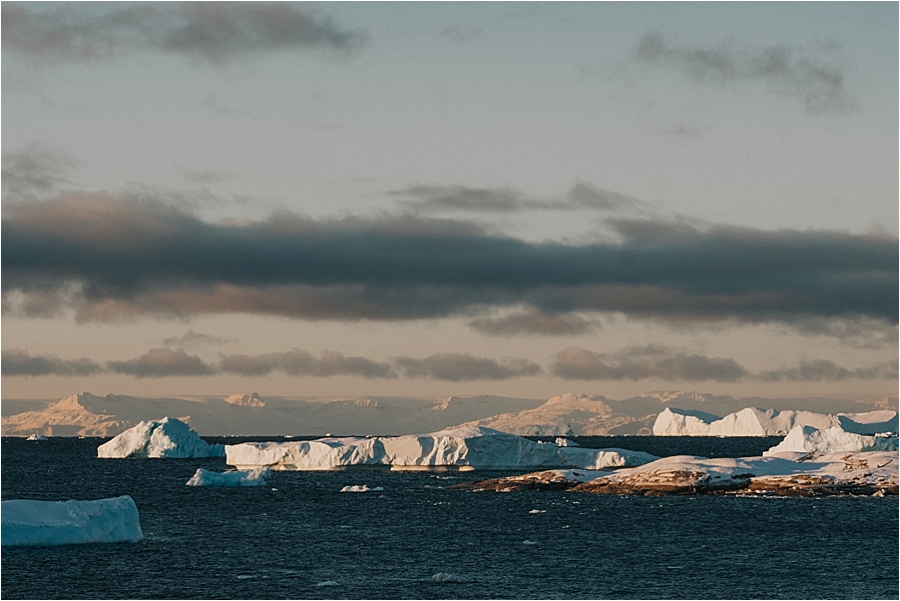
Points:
(463, 448)
(361, 488)
(806, 439)
(43, 523)
(768, 422)
(251, 477)
(168, 438)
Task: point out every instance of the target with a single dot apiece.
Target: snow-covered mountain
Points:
(251, 414)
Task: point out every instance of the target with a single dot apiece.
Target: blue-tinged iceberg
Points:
(44, 523)
(168, 438)
(252, 477)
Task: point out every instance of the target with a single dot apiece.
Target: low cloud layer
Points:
(581, 196)
(573, 363)
(105, 257)
(640, 363)
(18, 362)
(462, 367)
(818, 86)
(214, 31)
(533, 323)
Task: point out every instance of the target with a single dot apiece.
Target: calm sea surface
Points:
(298, 536)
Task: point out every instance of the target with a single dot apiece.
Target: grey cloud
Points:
(35, 169)
(105, 257)
(507, 200)
(461, 32)
(639, 363)
(193, 339)
(532, 322)
(205, 176)
(18, 362)
(858, 332)
(822, 370)
(461, 367)
(819, 87)
(301, 363)
(214, 31)
(161, 363)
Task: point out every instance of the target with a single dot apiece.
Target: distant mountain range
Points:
(241, 414)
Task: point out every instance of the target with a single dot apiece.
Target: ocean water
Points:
(299, 537)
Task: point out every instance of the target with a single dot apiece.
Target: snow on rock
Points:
(252, 477)
(168, 438)
(463, 448)
(44, 523)
(767, 422)
(361, 488)
(829, 473)
(245, 400)
(805, 439)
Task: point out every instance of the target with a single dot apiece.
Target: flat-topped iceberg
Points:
(806, 439)
(463, 448)
(768, 422)
(168, 438)
(43, 523)
(252, 477)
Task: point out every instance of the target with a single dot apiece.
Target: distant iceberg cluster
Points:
(464, 448)
(46, 523)
(168, 438)
(768, 422)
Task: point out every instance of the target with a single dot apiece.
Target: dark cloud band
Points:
(107, 257)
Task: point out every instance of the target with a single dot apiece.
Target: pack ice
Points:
(168, 438)
(42, 523)
(768, 422)
(463, 448)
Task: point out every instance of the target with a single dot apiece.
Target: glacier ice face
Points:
(252, 477)
(768, 422)
(168, 438)
(806, 439)
(463, 448)
(44, 523)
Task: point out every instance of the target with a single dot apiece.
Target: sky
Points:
(404, 199)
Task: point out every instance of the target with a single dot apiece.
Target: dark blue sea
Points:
(418, 540)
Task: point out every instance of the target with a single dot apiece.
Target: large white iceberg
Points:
(42, 523)
(168, 438)
(252, 477)
(464, 448)
(806, 439)
(768, 422)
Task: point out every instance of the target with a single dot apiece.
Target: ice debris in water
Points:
(167, 438)
(252, 477)
(329, 583)
(447, 577)
(529, 542)
(361, 488)
(43, 523)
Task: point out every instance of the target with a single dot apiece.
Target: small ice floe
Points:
(346, 527)
(538, 511)
(565, 442)
(329, 583)
(443, 577)
(36, 437)
(529, 542)
(361, 488)
(878, 493)
(252, 477)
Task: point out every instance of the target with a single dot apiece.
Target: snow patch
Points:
(45, 523)
(245, 400)
(168, 438)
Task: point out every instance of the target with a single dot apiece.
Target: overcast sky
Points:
(432, 199)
